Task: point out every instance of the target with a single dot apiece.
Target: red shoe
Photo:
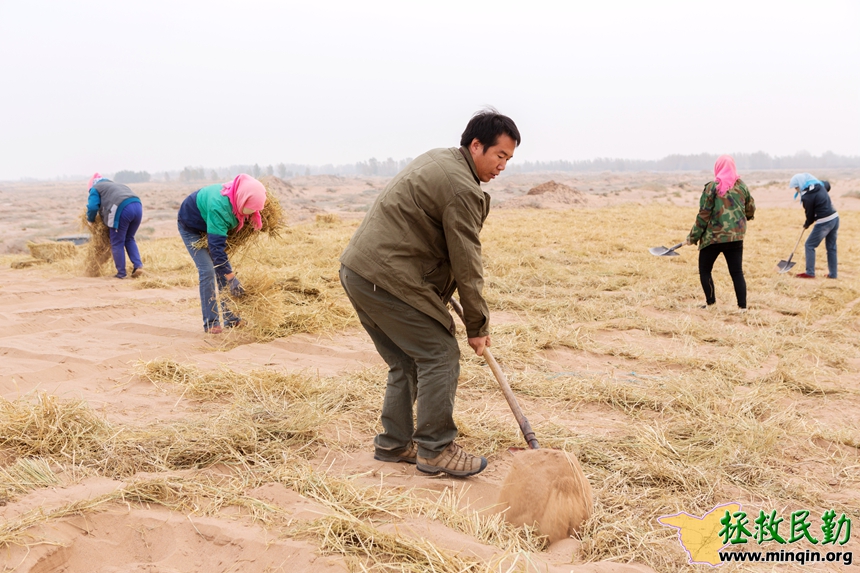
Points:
(804, 276)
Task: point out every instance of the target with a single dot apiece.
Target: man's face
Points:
(493, 161)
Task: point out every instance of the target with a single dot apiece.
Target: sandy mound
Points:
(547, 488)
(278, 185)
(548, 195)
(553, 187)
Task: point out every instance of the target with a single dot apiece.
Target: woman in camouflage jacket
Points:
(724, 209)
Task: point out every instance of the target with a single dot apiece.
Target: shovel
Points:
(664, 252)
(785, 266)
(545, 487)
(525, 427)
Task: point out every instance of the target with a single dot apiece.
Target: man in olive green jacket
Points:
(418, 243)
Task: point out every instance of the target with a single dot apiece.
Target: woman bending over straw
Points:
(216, 210)
(122, 212)
(724, 209)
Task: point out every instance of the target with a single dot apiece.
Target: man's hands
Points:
(478, 343)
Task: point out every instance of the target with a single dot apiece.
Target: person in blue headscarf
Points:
(820, 212)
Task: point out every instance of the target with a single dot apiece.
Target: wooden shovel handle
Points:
(525, 427)
(794, 250)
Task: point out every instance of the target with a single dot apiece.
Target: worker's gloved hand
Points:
(805, 226)
(235, 287)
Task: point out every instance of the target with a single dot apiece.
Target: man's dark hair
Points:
(487, 125)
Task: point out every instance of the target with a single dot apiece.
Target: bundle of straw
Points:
(272, 216)
(98, 250)
(51, 251)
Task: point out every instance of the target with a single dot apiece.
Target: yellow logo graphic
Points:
(701, 536)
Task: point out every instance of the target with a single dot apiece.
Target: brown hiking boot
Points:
(453, 461)
(137, 273)
(407, 455)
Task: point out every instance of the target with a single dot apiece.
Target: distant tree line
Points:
(702, 161)
(390, 167)
(371, 167)
(131, 177)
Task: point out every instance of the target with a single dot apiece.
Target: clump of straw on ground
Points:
(384, 551)
(326, 218)
(274, 307)
(98, 249)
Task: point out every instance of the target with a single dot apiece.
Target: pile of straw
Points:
(51, 251)
(98, 250)
(274, 307)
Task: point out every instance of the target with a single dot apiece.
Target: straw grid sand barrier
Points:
(668, 408)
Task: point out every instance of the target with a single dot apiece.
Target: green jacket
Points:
(419, 240)
(722, 219)
(216, 210)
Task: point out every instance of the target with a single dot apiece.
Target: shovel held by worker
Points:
(545, 488)
(525, 427)
(785, 265)
(664, 252)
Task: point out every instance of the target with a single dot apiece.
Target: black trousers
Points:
(734, 253)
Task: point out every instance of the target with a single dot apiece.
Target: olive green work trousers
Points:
(423, 366)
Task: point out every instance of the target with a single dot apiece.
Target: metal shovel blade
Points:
(664, 252)
(785, 266)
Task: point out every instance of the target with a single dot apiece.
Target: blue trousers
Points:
(208, 279)
(827, 232)
(122, 238)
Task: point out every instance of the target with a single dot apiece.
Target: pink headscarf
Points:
(245, 192)
(726, 174)
(96, 176)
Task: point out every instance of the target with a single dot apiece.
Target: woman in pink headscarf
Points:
(215, 210)
(724, 209)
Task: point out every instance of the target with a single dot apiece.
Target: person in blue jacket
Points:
(215, 210)
(122, 212)
(819, 211)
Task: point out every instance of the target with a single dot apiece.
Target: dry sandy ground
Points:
(78, 337)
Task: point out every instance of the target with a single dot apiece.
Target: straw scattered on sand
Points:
(695, 408)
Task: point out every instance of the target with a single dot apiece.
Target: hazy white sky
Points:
(155, 85)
